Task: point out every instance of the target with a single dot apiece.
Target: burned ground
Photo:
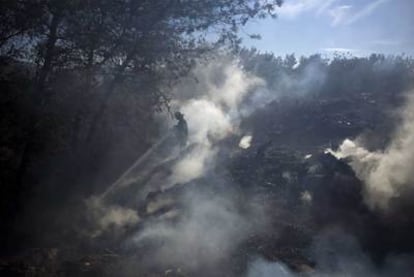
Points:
(303, 191)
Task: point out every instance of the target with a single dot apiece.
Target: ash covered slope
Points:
(342, 208)
(316, 223)
(276, 205)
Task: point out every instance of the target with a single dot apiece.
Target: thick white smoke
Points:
(245, 142)
(211, 103)
(263, 268)
(210, 225)
(211, 228)
(389, 173)
(109, 216)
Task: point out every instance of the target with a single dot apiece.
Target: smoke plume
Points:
(109, 216)
(213, 224)
(387, 173)
(212, 102)
(194, 225)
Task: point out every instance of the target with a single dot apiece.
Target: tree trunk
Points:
(97, 117)
(79, 114)
(38, 100)
(49, 55)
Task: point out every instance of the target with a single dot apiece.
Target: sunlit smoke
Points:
(208, 233)
(263, 268)
(109, 216)
(245, 142)
(212, 106)
(387, 174)
(211, 103)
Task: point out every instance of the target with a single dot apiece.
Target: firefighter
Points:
(181, 129)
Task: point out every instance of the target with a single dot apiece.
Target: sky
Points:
(352, 27)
